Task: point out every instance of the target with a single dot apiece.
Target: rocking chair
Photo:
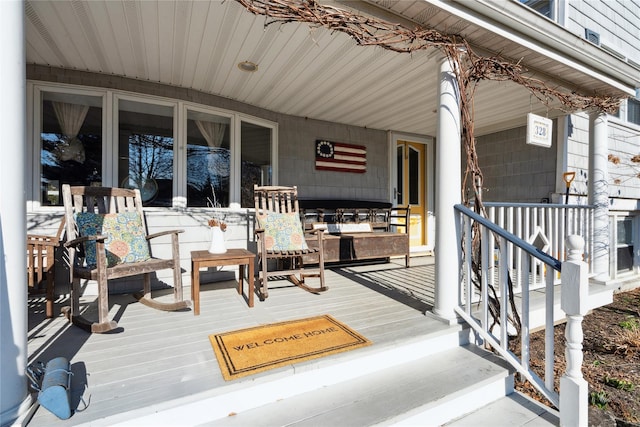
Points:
(280, 237)
(107, 239)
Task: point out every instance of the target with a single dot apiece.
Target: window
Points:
(633, 111)
(256, 168)
(145, 147)
(400, 174)
(624, 244)
(543, 7)
(414, 176)
(71, 143)
(208, 159)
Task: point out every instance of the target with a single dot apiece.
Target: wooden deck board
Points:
(159, 356)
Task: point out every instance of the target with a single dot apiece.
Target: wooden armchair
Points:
(281, 237)
(107, 239)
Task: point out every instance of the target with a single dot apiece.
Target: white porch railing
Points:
(496, 273)
(546, 226)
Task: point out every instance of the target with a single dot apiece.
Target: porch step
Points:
(428, 391)
(515, 409)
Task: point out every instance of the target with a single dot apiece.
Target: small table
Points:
(201, 259)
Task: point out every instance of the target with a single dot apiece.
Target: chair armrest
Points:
(82, 239)
(37, 239)
(318, 231)
(163, 233)
(401, 212)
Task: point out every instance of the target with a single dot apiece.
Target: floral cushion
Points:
(125, 241)
(282, 232)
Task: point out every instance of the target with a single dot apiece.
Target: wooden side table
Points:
(202, 259)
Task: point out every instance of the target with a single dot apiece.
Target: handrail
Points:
(534, 205)
(526, 246)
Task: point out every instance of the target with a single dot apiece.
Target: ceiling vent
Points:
(592, 36)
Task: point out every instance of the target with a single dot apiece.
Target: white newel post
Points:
(448, 193)
(574, 296)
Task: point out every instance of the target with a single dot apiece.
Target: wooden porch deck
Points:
(161, 356)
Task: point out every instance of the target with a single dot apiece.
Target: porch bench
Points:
(358, 230)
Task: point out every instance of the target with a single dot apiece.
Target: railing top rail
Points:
(534, 205)
(524, 245)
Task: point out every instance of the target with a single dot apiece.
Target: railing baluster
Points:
(524, 317)
(504, 291)
(552, 215)
(518, 232)
(468, 266)
(485, 280)
(510, 212)
(549, 329)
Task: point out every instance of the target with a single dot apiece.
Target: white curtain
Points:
(70, 117)
(213, 132)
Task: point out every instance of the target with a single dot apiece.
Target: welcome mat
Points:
(252, 350)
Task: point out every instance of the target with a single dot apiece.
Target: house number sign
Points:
(538, 130)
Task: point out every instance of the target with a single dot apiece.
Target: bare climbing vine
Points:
(469, 67)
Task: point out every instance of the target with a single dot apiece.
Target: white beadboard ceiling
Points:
(302, 71)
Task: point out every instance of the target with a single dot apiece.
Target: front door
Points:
(411, 187)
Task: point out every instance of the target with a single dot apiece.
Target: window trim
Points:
(236, 143)
(180, 198)
(34, 130)
(112, 179)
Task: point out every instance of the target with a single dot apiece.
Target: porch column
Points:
(14, 398)
(448, 193)
(599, 192)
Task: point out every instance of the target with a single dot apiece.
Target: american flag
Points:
(334, 156)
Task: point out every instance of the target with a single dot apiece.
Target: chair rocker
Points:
(280, 237)
(107, 239)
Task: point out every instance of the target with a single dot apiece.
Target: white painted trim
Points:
(33, 203)
(180, 157)
(109, 151)
(562, 136)
(236, 163)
